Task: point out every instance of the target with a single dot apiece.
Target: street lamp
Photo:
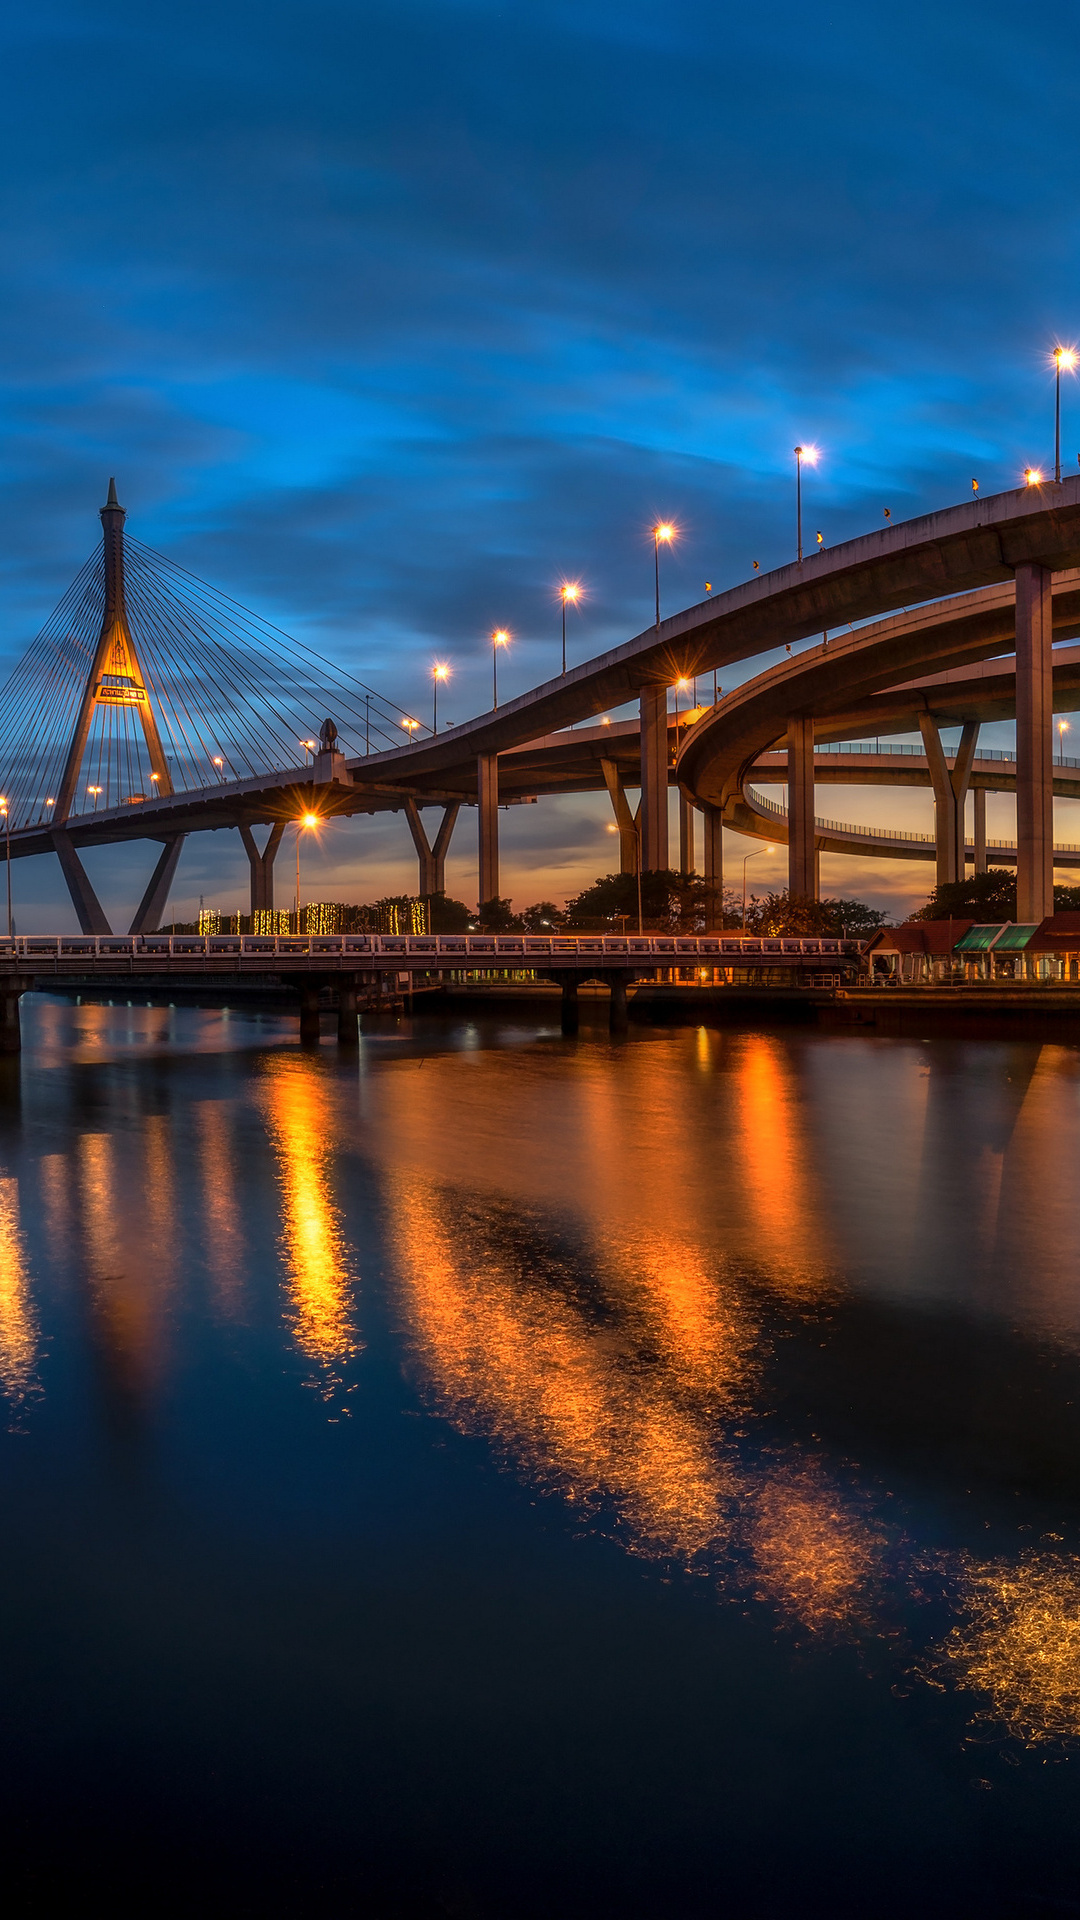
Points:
(7, 836)
(663, 530)
(811, 456)
(746, 857)
(95, 791)
(438, 672)
(1062, 357)
(304, 824)
(410, 726)
(1063, 728)
(500, 638)
(1033, 476)
(680, 687)
(219, 764)
(569, 591)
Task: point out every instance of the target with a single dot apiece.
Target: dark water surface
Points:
(527, 1476)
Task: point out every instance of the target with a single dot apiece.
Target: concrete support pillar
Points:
(1034, 743)
(10, 1030)
(348, 1019)
(309, 1012)
(626, 821)
(487, 808)
(91, 914)
(617, 1010)
(432, 859)
(151, 910)
(686, 835)
(802, 866)
(262, 866)
(654, 779)
(569, 1005)
(950, 786)
(979, 803)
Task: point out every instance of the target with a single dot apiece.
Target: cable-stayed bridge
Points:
(152, 706)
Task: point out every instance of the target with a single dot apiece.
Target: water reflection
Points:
(1018, 1643)
(295, 1104)
(815, 1557)
(19, 1331)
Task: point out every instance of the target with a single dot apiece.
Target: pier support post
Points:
(348, 1020)
(88, 907)
(151, 909)
(802, 865)
(618, 1017)
(686, 835)
(11, 992)
(654, 779)
(309, 1012)
(262, 866)
(432, 859)
(950, 786)
(979, 804)
(625, 820)
(1034, 743)
(487, 808)
(569, 1005)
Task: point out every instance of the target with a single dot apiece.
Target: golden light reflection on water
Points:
(814, 1557)
(126, 1232)
(1019, 1644)
(771, 1161)
(19, 1333)
(294, 1101)
(561, 1384)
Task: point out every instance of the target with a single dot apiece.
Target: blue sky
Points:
(388, 318)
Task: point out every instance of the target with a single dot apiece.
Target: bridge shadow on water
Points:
(488, 1471)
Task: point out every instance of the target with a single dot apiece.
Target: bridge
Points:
(152, 706)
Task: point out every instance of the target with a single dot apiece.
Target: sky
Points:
(389, 319)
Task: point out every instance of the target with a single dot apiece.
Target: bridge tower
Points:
(115, 679)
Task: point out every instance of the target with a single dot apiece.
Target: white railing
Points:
(440, 949)
(884, 833)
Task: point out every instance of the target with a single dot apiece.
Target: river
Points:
(511, 1474)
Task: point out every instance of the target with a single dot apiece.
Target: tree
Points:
(670, 902)
(446, 915)
(545, 917)
(800, 913)
(987, 897)
(498, 916)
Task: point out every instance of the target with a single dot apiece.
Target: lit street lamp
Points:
(500, 638)
(7, 837)
(95, 791)
(304, 824)
(1063, 357)
(746, 857)
(1033, 476)
(438, 672)
(811, 455)
(1063, 728)
(410, 726)
(663, 530)
(569, 591)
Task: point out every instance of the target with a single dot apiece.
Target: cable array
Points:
(234, 697)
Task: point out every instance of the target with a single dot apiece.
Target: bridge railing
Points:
(443, 950)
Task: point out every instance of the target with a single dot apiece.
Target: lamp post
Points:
(663, 530)
(305, 822)
(746, 857)
(438, 672)
(1063, 357)
(410, 725)
(811, 456)
(4, 809)
(500, 638)
(569, 591)
(1063, 728)
(95, 791)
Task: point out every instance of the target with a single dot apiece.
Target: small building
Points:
(1055, 947)
(915, 954)
(997, 951)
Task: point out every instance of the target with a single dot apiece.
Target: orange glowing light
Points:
(310, 820)
(571, 590)
(500, 637)
(1065, 359)
(1033, 476)
(664, 530)
(440, 672)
